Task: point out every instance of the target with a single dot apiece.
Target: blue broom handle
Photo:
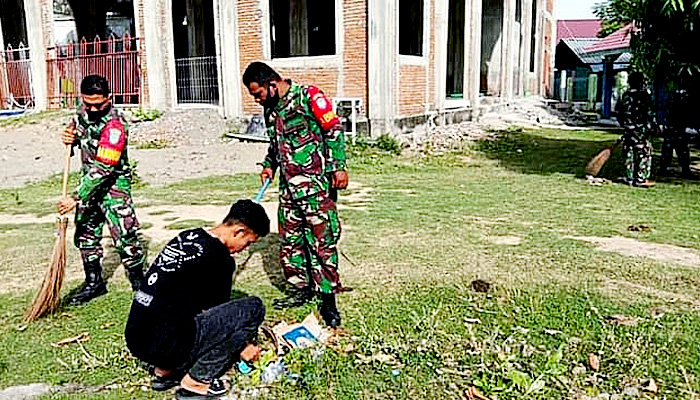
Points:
(262, 190)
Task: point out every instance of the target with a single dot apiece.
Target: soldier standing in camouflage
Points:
(307, 145)
(635, 115)
(679, 116)
(104, 193)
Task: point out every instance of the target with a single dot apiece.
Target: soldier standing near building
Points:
(678, 118)
(307, 145)
(635, 115)
(104, 193)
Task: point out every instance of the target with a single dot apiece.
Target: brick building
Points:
(401, 62)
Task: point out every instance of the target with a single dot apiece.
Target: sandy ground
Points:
(196, 149)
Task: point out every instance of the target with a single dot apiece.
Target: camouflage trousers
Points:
(117, 209)
(637, 159)
(675, 139)
(309, 231)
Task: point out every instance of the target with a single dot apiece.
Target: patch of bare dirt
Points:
(27, 271)
(505, 240)
(636, 248)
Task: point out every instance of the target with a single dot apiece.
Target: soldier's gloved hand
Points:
(340, 179)
(66, 204)
(68, 136)
(266, 173)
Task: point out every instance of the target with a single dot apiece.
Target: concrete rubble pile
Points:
(528, 112)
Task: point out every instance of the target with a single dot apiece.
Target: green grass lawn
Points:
(432, 225)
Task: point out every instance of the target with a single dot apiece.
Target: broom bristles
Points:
(596, 164)
(47, 299)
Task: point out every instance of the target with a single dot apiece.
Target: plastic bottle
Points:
(272, 372)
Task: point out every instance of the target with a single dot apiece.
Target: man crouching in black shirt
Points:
(183, 321)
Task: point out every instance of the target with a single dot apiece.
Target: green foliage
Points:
(143, 115)
(382, 145)
(153, 144)
(388, 144)
(662, 41)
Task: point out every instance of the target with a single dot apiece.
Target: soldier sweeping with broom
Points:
(104, 193)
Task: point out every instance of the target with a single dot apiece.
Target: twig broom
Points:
(48, 298)
(596, 164)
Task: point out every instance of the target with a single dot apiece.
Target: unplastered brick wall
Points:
(355, 54)
(138, 9)
(412, 93)
(432, 64)
(347, 79)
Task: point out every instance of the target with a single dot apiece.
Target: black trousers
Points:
(222, 333)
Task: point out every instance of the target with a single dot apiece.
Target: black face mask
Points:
(94, 116)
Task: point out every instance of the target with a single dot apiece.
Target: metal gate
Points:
(15, 78)
(117, 59)
(197, 80)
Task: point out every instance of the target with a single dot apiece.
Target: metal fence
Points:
(197, 80)
(117, 59)
(15, 78)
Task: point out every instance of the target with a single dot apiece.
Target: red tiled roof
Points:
(619, 40)
(578, 28)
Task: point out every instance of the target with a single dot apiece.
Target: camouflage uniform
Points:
(104, 193)
(308, 145)
(675, 136)
(634, 112)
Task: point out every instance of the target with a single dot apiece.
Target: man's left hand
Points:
(66, 204)
(340, 179)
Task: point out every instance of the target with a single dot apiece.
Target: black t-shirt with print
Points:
(193, 273)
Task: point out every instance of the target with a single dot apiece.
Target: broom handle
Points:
(66, 169)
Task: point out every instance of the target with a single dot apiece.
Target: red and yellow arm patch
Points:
(112, 143)
(322, 109)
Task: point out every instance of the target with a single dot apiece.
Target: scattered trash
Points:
(302, 335)
(475, 394)
(578, 370)
(273, 371)
(594, 362)
(631, 391)
(623, 320)
(639, 228)
(472, 321)
(244, 368)
(657, 312)
(395, 372)
(481, 286)
(552, 332)
(595, 181)
(378, 357)
(650, 386)
(82, 338)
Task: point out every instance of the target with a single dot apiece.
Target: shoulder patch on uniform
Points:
(322, 108)
(112, 143)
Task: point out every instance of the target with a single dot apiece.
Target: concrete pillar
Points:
(2, 38)
(226, 18)
(382, 65)
(38, 37)
(4, 88)
(473, 81)
(608, 81)
(160, 62)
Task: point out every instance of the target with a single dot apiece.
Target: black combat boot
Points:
(329, 311)
(136, 277)
(94, 284)
(295, 299)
